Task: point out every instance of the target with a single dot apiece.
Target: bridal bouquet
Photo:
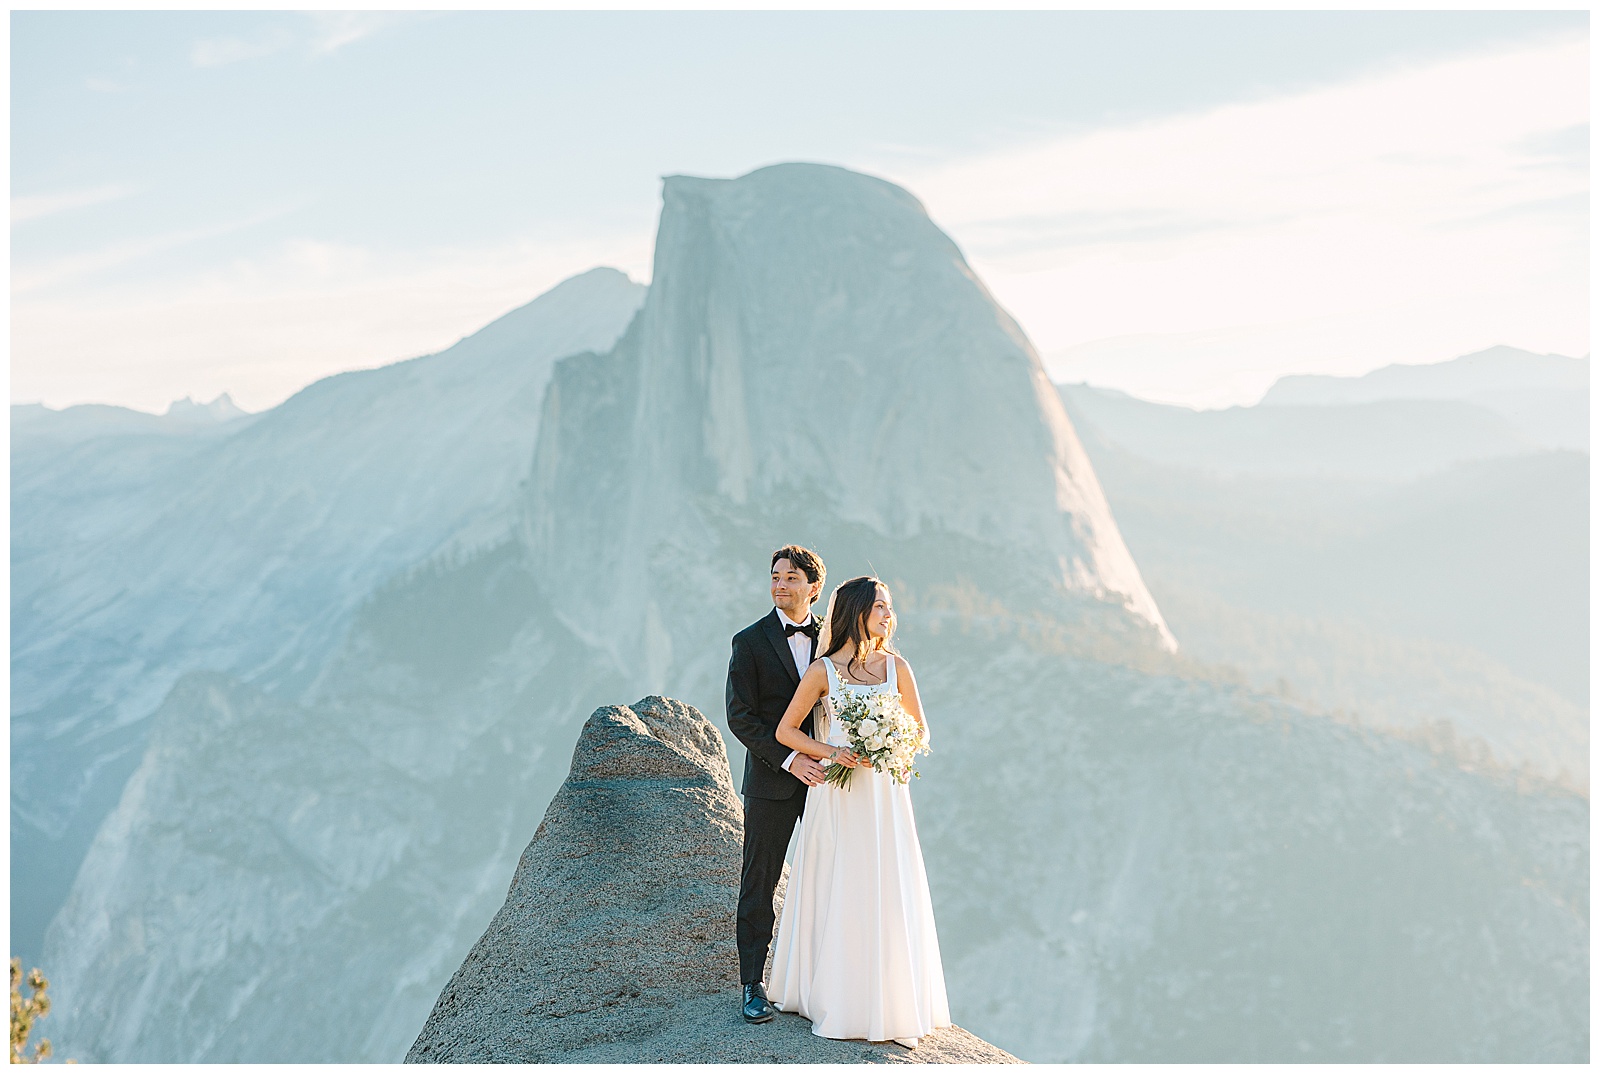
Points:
(881, 730)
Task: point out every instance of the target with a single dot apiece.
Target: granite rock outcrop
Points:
(615, 943)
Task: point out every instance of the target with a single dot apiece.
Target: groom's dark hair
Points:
(807, 560)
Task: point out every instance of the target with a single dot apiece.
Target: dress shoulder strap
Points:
(889, 673)
(833, 676)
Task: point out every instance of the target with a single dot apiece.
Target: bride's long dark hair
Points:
(848, 609)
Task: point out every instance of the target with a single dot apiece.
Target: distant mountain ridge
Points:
(1546, 396)
(1382, 440)
(1496, 368)
(222, 408)
(35, 423)
(1404, 546)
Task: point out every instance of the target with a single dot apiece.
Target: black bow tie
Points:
(809, 630)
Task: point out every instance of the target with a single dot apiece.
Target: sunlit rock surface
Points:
(612, 945)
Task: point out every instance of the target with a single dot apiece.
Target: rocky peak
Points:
(813, 355)
(220, 409)
(616, 940)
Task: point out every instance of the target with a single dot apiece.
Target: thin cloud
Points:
(264, 327)
(73, 268)
(1421, 144)
(1419, 202)
(35, 206)
(333, 30)
(322, 34)
(221, 51)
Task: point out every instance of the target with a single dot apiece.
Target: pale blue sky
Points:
(245, 202)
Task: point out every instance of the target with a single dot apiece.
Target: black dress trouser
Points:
(768, 824)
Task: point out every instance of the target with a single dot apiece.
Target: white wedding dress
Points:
(856, 950)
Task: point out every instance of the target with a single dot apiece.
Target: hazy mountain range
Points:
(341, 657)
(1545, 396)
(144, 546)
(1411, 561)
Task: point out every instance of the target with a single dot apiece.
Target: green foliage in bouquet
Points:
(880, 729)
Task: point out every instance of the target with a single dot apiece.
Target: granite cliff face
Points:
(615, 943)
(815, 358)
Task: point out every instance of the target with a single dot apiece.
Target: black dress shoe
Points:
(756, 1006)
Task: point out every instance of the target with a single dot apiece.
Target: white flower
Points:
(867, 727)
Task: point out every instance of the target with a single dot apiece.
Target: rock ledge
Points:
(615, 943)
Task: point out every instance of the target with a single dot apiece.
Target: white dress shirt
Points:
(800, 646)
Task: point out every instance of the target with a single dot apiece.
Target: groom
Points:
(769, 656)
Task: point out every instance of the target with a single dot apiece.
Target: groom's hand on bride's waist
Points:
(806, 769)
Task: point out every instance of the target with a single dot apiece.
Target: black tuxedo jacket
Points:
(761, 683)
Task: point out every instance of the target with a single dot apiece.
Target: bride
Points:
(856, 950)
